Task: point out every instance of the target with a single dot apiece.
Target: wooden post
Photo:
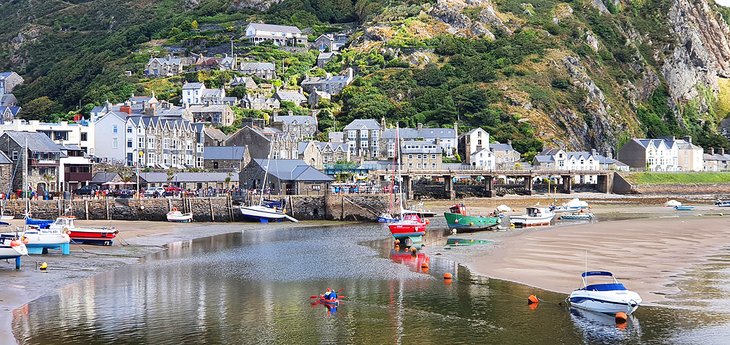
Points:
(86, 209)
(106, 203)
(212, 215)
(342, 204)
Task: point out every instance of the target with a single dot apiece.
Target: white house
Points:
(483, 159)
(63, 133)
(281, 35)
(192, 93)
(650, 154)
(474, 141)
(109, 137)
(445, 138)
(690, 156)
(559, 159)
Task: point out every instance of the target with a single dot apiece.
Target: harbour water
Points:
(254, 287)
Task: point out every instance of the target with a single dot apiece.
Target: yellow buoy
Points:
(43, 266)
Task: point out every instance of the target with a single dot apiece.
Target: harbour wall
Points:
(205, 209)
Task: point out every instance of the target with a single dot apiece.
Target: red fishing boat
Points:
(409, 225)
(103, 236)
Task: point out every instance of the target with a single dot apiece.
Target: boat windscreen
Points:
(596, 273)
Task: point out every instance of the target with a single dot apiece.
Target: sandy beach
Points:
(135, 240)
(648, 255)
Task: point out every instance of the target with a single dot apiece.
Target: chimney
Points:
(382, 122)
(419, 126)
(593, 152)
(350, 73)
(712, 150)
(722, 151)
(509, 141)
(609, 155)
(688, 139)
(126, 109)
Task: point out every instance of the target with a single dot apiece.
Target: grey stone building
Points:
(302, 127)
(43, 157)
(285, 177)
(225, 158)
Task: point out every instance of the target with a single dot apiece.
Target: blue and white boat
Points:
(684, 208)
(577, 216)
(610, 298)
(722, 203)
(387, 218)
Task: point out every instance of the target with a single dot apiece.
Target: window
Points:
(215, 165)
(115, 143)
(15, 155)
(129, 129)
(83, 136)
(479, 142)
(115, 130)
(433, 156)
(129, 143)
(140, 142)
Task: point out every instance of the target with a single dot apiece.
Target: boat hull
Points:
(399, 230)
(7, 217)
(605, 302)
(588, 216)
(531, 221)
(93, 236)
(684, 208)
(264, 214)
(473, 223)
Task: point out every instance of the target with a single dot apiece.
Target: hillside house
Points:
(280, 35)
(163, 67)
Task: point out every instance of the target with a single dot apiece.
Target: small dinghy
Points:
(179, 217)
(609, 298)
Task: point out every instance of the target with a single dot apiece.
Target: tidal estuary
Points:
(254, 287)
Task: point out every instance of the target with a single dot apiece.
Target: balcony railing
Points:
(44, 162)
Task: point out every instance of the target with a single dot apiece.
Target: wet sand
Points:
(648, 255)
(135, 240)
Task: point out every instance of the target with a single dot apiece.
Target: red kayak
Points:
(410, 225)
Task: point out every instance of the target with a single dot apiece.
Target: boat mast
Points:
(266, 172)
(400, 178)
(25, 169)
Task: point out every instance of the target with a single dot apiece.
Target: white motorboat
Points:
(38, 240)
(6, 217)
(265, 214)
(722, 203)
(11, 247)
(609, 298)
(573, 205)
(535, 216)
(179, 217)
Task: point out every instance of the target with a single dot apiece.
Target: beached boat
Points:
(6, 217)
(535, 216)
(573, 205)
(576, 216)
(12, 247)
(102, 235)
(265, 214)
(38, 240)
(610, 298)
(458, 219)
(672, 203)
(41, 223)
(722, 203)
(408, 226)
(178, 217)
(684, 208)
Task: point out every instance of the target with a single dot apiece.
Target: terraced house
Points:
(154, 141)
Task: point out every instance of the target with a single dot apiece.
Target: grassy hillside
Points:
(677, 178)
(537, 72)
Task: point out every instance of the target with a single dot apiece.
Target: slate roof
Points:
(420, 147)
(370, 124)
(183, 177)
(425, 133)
(193, 86)
(291, 95)
(256, 66)
(13, 110)
(4, 75)
(299, 119)
(215, 133)
(325, 56)
(103, 177)
(37, 141)
(275, 28)
(293, 170)
(500, 147)
(224, 152)
(248, 82)
(4, 159)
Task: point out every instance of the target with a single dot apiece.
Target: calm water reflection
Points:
(253, 287)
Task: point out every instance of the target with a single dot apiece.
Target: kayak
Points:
(334, 302)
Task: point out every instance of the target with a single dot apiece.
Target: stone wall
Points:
(218, 209)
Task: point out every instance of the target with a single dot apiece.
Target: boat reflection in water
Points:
(602, 328)
(416, 261)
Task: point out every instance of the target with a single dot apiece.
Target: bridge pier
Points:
(449, 187)
(488, 185)
(407, 187)
(528, 184)
(605, 183)
(567, 183)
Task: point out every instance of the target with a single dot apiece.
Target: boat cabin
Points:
(413, 217)
(611, 284)
(536, 211)
(458, 209)
(64, 222)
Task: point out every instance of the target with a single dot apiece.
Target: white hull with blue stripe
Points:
(609, 298)
(264, 214)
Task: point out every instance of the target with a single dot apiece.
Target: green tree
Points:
(41, 108)
(194, 25)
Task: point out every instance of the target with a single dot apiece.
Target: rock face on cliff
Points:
(701, 51)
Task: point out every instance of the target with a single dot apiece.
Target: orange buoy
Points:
(448, 275)
(428, 222)
(621, 317)
(447, 281)
(424, 264)
(532, 299)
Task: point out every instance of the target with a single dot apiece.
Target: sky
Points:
(723, 2)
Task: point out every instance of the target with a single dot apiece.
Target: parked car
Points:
(150, 192)
(85, 190)
(172, 190)
(122, 193)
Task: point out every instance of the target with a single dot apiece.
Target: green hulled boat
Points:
(457, 219)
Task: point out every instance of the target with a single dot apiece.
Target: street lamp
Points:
(136, 163)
